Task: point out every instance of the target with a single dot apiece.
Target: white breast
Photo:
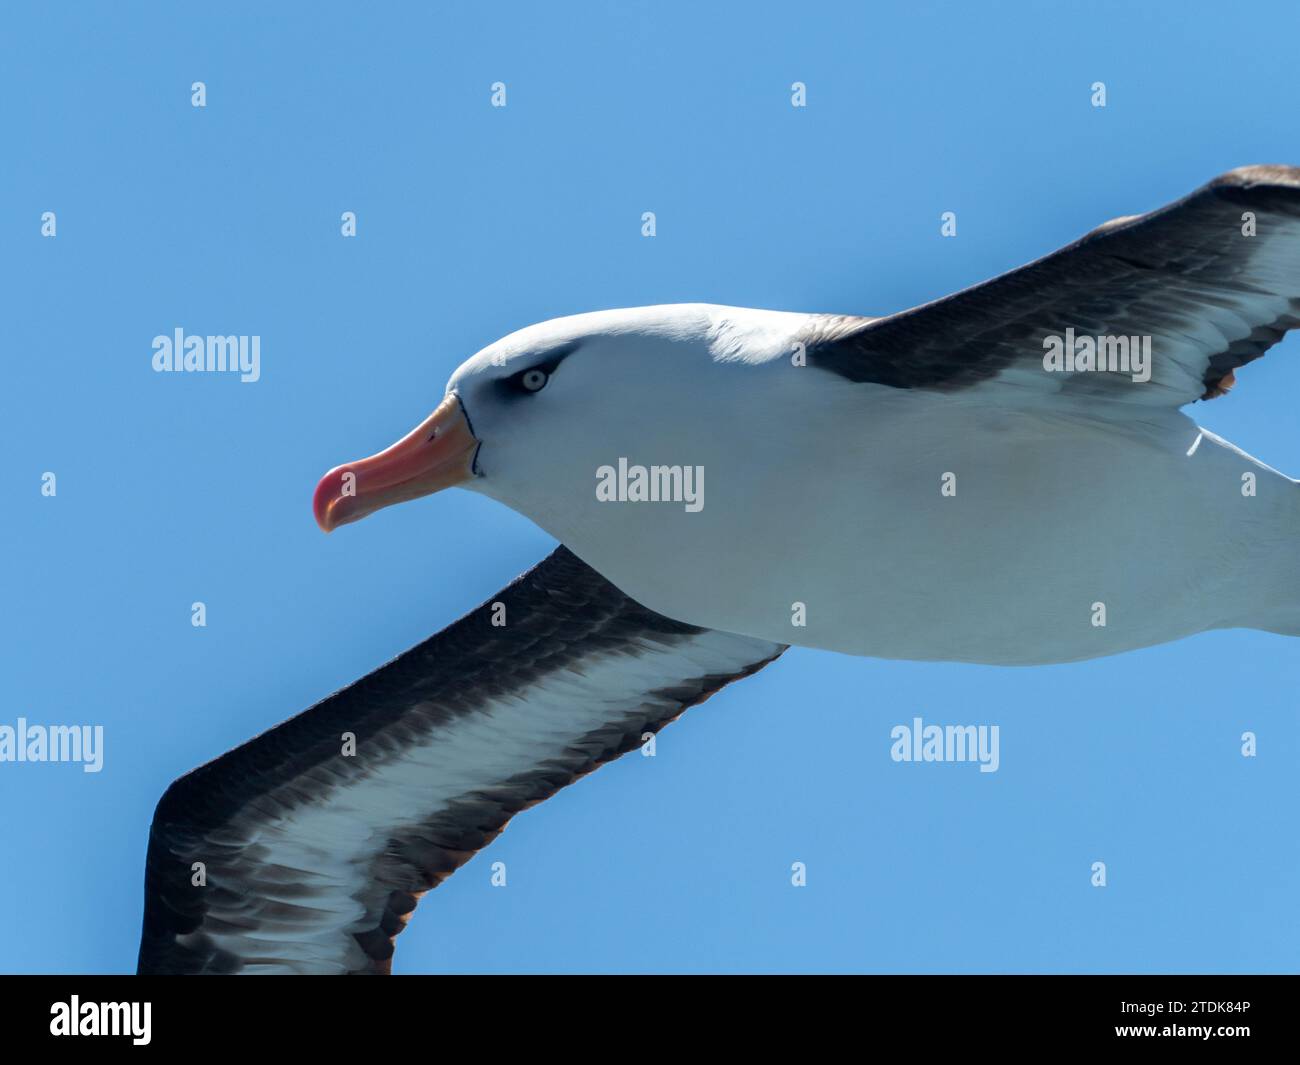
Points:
(826, 523)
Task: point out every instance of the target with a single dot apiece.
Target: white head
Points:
(530, 419)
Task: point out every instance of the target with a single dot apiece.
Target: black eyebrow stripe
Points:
(554, 357)
(508, 387)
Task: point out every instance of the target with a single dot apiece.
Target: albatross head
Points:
(530, 419)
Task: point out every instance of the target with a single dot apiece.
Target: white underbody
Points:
(825, 522)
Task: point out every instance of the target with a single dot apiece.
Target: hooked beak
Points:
(437, 454)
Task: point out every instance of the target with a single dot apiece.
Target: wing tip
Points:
(1270, 187)
(1275, 182)
(1270, 175)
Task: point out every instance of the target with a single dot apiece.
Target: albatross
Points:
(991, 477)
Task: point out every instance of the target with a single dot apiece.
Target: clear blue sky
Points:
(474, 221)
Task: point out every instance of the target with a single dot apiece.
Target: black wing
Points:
(294, 854)
(1190, 276)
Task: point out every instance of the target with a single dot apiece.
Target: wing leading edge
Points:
(290, 855)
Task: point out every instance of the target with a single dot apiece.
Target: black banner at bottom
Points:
(304, 1016)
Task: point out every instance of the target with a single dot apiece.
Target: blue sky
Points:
(474, 221)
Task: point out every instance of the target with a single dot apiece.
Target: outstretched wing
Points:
(1213, 279)
(294, 853)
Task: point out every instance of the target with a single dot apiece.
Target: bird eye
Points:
(533, 380)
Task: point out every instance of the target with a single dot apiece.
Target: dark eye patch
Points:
(513, 387)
